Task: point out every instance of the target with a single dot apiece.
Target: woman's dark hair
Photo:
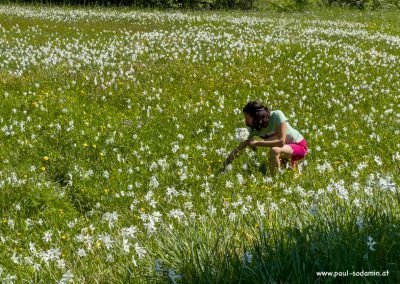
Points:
(259, 112)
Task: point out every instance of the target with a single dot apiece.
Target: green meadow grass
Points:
(114, 123)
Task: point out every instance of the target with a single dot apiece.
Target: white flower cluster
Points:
(241, 134)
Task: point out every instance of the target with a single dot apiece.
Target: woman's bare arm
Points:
(235, 153)
(277, 140)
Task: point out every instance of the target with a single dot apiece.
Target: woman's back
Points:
(277, 117)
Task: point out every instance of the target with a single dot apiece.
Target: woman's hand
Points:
(236, 152)
(252, 144)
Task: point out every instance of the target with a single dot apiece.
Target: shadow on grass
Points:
(290, 255)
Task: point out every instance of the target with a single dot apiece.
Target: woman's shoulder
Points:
(278, 115)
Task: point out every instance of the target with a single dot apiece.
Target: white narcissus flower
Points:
(246, 258)
(371, 243)
(241, 134)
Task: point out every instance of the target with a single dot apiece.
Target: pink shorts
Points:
(299, 150)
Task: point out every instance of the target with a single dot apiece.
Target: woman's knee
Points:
(275, 151)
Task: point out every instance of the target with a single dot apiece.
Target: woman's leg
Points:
(277, 153)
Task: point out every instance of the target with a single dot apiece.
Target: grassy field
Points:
(114, 123)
